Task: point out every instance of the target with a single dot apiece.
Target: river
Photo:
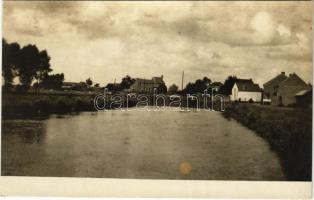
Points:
(164, 144)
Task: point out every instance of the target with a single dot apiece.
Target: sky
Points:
(108, 40)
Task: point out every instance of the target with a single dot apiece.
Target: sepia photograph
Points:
(160, 90)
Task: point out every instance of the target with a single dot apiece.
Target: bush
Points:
(21, 88)
(26, 108)
(62, 107)
(289, 133)
(43, 106)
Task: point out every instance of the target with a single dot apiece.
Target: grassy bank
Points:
(288, 131)
(34, 104)
(16, 105)
(43, 104)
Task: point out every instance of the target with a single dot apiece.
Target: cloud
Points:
(263, 26)
(107, 40)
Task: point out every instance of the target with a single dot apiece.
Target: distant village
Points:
(281, 90)
(31, 67)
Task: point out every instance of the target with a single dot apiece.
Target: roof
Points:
(144, 80)
(276, 80)
(303, 92)
(247, 85)
(292, 80)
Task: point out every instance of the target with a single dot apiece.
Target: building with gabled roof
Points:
(282, 89)
(288, 88)
(246, 90)
(271, 87)
(146, 85)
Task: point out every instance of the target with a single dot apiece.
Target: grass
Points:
(287, 130)
(43, 104)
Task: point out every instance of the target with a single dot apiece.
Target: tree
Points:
(31, 64)
(126, 82)
(54, 81)
(10, 55)
(89, 82)
(198, 86)
(28, 63)
(226, 88)
(162, 88)
(44, 66)
(113, 87)
(173, 89)
(96, 85)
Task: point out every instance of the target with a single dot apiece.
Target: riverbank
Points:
(287, 130)
(40, 105)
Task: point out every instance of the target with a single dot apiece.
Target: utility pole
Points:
(182, 80)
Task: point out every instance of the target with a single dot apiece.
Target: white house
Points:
(244, 90)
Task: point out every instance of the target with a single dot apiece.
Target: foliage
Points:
(162, 88)
(9, 62)
(113, 87)
(89, 82)
(53, 81)
(28, 63)
(173, 89)
(288, 131)
(126, 82)
(226, 88)
(197, 87)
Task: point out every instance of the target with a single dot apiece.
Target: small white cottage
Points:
(246, 90)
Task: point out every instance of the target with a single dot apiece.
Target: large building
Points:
(288, 88)
(271, 88)
(282, 89)
(146, 85)
(246, 90)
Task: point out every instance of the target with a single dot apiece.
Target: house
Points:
(146, 85)
(283, 90)
(246, 90)
(271, 88)
(288, 88)
(304, 99)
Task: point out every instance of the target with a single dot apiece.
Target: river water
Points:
(164, 144)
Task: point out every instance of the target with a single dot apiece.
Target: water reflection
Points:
(166, 144)
(29, 131)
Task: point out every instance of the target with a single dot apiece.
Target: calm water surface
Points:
(166, 144)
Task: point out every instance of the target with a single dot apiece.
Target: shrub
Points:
(62, 107)
(25, 107)
(43, 106)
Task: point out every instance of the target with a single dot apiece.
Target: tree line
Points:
(205, 83)
(32, 67)
(29, 65)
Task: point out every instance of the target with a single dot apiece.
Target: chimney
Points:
(283, 73)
